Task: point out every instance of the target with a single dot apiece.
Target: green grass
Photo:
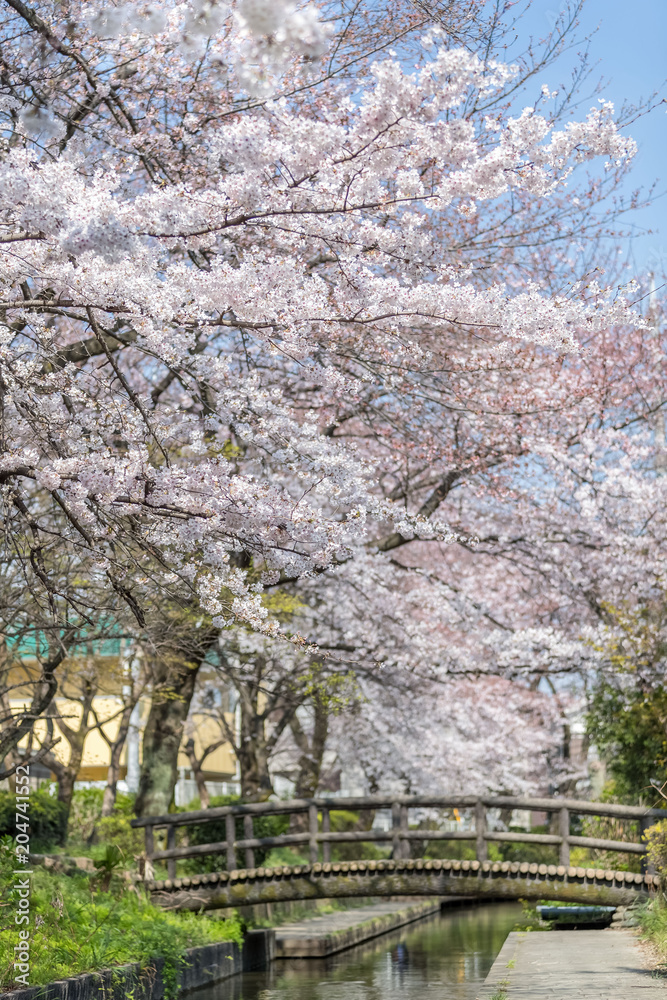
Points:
(653, 922)
(76, 927)
(500, 992)
(284, 856)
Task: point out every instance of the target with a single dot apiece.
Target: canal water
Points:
(443, 957)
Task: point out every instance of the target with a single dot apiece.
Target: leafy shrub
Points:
(107, 865)
(84, 814)
(116, 829)
(281, 856)
(627, 725)
(456, 850)
(87, 827)
(653, 922)
(606, 828)
(428, 848)
(656, 845)
(215, 831)
(77, 927)
(344, 821)
(47, 818)
(539, 854)
(530, 920)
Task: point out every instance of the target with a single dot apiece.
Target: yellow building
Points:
(220, 767)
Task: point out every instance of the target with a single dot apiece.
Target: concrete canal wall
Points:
(318, 937)
(204, 966)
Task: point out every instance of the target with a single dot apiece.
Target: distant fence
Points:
(318, 835)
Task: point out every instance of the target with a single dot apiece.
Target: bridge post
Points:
(396, 839)
(230, 837)
(248, 834)
(149, 841)
(326, 828)
(405, 843)
(564, 833)
(171, 843)
(482, 850)
(312, 829)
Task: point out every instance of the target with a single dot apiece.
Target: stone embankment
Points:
(317, 937)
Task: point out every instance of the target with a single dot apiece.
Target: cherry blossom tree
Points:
(262, 322)
(460, 738)
(127, 405)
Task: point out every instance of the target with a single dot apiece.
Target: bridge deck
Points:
(402, 878)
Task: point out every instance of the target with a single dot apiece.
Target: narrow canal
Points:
(443, 957)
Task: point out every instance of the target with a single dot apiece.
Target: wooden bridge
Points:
(400, 874)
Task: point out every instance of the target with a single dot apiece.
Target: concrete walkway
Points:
(315, 937)
(572, 965)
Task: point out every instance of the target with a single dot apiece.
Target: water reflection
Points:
(444, 957)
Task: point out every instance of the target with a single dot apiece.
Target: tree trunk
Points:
(173, 688)
(109, 798)
(252, 755)
(65, 777)
(66, 774)
(195, 764)
(312, 750)
(256, 783)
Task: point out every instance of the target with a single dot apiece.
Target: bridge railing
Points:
(319, 835)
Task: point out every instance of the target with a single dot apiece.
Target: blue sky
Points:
(629, 50)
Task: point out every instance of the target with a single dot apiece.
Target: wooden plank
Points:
(608, 845)
(579, 806)
(441, 835)
(302, 805)
(382, 836)
(218, 847)
(194, 851)
(523, 838)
